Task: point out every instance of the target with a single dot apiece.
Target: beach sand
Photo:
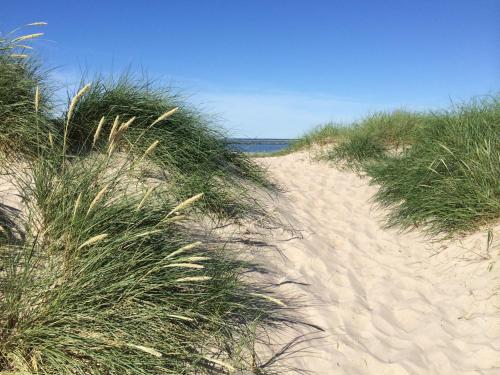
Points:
(389, 303)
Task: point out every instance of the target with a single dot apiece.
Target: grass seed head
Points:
(75, 101)
(193, 278)
(187, 203)
(93, 240)
(184, 249)
(165, 116)
(98, 130)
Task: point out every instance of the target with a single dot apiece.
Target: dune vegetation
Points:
(100, 270)
(439, 171)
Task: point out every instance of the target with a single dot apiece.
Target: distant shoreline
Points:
(260, 140)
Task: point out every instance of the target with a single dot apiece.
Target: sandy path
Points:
(388, 303)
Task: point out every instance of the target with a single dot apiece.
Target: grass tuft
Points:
(448, 181)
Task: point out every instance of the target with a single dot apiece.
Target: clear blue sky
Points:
(274, 68)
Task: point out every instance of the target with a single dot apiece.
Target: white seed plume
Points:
(26, 37)
(18, 55)
(37, 24)
(149, 232)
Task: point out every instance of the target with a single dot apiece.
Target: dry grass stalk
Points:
(93, 240)
(98, 130)
(269, 298)
(123, 128)
(114, 127)
(165, 116)
(97, 198)
(181, 317)
(146, 349)
(77, 205)
(193, 278)
(75, 100)
(186, 204)
(150, 149)
(184, 265)
(37, 99)
(146, 195)
(184, 249)
(220, 363)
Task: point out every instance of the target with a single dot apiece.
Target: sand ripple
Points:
(390, 303)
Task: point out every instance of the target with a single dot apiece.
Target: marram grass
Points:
(174, 136)
(24, 98)
(99, 271)
(94, 285)
(448, 181)
(439, 171)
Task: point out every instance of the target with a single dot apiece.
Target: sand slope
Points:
(389, 303)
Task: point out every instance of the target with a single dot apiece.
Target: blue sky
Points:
(274, 68)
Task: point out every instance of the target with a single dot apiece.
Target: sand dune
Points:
(390, 303)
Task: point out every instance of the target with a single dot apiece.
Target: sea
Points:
(260, 145)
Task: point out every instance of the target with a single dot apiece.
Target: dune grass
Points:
(190, 151)
(100, 270)
(320, 135)
(21, 79)
(376, 136)
(435, 170)
(187, 144)
(103, 280)
(448, 181)
(371, 138)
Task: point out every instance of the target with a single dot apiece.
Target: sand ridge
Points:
(390, 303)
